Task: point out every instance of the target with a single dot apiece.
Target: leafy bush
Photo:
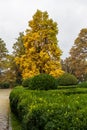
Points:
(27, 82)
(43, 82)
(67, 79)
(49, 110)
(14, 98)
(4, 85)
(83, 84)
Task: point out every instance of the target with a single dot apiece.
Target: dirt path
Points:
(4, 108)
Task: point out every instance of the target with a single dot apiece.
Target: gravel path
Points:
(4, 109)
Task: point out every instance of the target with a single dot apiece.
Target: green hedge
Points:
(83, 84)
(49, 110)
(27, 83)
(67, 79)
(40, 82)
(4, 85)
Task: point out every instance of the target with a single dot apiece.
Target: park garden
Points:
(48, 93)
(43, 104)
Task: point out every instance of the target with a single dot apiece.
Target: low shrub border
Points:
(49, 110)
(83, 84)
(4, 85)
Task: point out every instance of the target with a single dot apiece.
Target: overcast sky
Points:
(71, 16)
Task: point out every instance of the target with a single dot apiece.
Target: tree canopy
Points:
(3, 60)
(42, 53)
(3, 54)
(18, 50)
(77, 62)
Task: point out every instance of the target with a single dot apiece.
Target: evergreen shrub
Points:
(83, 84)
(43, 82)
(27, 82)
(4, 85)
(67, 79)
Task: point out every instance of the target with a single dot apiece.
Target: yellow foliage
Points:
(42, 54)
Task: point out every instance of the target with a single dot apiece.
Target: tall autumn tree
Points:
(42, 53)
(78, 56)
(18, 50)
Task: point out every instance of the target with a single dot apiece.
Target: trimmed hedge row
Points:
(48, 82)
(49, 110)
(83, 84)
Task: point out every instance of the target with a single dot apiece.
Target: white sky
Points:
(71, 16)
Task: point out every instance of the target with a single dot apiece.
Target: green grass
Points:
(16, 125)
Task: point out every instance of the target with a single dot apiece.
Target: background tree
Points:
(78, 56)
(18, 46)
(3, 52)
(66, 65)
(42, 54)
(9, 75)
(18, 50)
(6, 74)
(3, 56)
